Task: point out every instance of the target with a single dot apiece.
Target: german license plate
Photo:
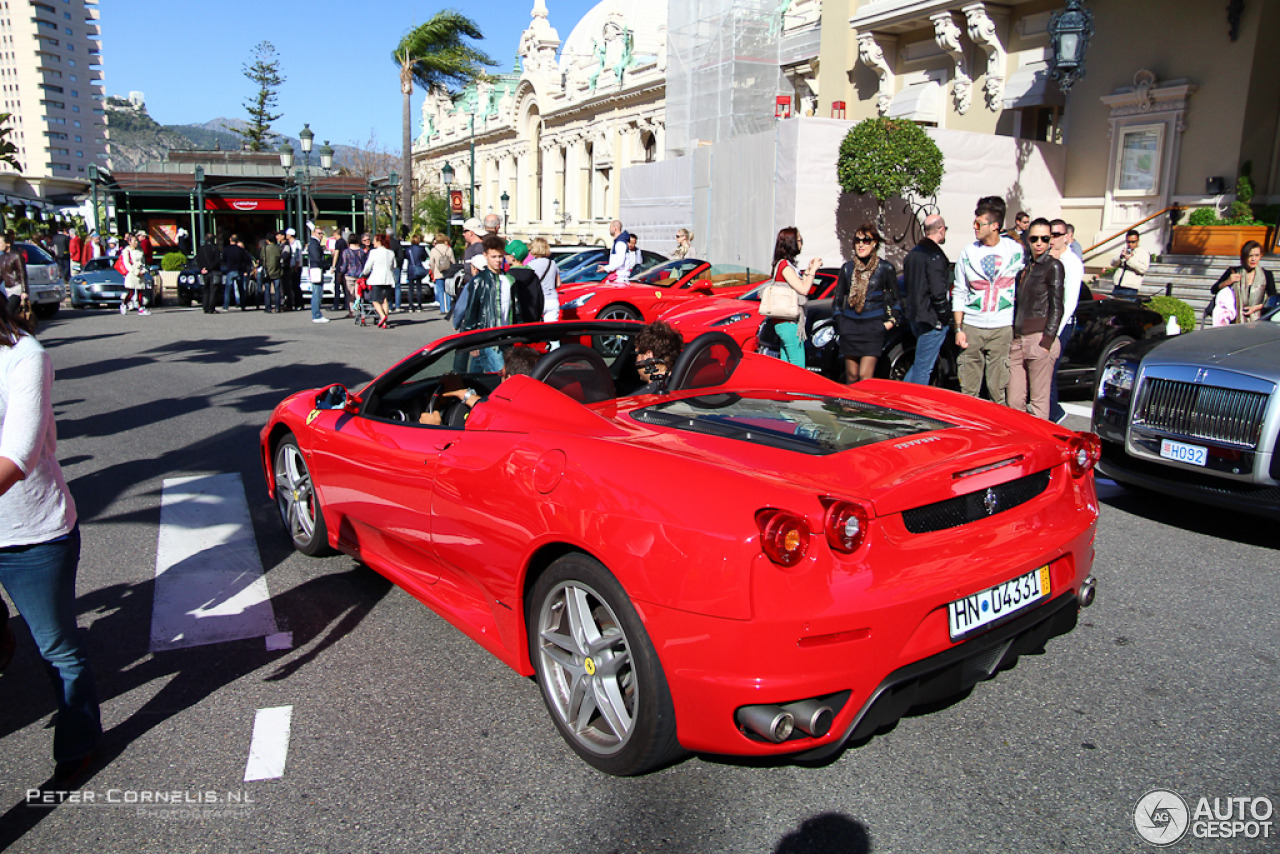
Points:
(1183, 453)
(964, 616)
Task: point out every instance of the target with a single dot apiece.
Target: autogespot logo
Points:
(1160, 817)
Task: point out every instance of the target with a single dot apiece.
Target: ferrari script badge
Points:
(314, 414)
(991, 502)
(591, 667)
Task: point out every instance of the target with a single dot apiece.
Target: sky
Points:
(187, 58)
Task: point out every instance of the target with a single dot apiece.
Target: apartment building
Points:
(51, 85)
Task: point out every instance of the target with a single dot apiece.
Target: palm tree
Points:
(434, 55)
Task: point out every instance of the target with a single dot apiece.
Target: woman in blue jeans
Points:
(791, 332)
(40, 544)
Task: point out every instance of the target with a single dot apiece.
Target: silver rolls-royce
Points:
(1197, 416)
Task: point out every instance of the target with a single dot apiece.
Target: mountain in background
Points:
(136, 138)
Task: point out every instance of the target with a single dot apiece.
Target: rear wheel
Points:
(599, 673)
(297, 500)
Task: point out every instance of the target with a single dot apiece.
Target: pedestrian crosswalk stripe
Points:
(269, 747)
(209, 584)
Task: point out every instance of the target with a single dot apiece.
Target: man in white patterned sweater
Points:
(982, 303)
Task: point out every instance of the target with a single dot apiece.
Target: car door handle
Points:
(442, 446)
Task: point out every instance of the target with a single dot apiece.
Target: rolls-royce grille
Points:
(1201, 412)
(964, 509)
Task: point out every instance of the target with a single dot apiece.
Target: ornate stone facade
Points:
(555, 132)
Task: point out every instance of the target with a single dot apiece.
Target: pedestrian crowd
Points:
(1009, 302)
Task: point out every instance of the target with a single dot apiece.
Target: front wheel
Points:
(618, 312)
(297, 500)
(599, 673)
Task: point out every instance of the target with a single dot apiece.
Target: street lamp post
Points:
(286, 163)
(446, 175)
(393, 181)
(199, 238)
(506, 203)
(472, 177)
(93, 188)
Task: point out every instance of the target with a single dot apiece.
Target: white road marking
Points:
(209, 583)
(269, 748)
(1084, 410)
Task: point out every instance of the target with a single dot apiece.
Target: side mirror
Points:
(703, 286)
(337, 397)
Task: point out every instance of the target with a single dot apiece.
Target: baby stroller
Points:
(362, 307)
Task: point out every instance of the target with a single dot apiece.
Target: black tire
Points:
(296, 499)
(618, 311)
(46, 310)
(1114, 345)
(897, 362)
(625, 688)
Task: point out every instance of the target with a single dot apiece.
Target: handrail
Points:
(1107, 240)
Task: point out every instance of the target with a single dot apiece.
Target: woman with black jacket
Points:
(865, 305)
(1252, 282)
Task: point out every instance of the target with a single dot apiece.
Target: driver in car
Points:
(658, 346)
(517, 359)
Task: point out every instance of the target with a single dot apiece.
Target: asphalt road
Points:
(406, 736)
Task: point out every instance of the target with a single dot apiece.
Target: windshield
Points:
(808, 424)
(96, 265)
(666, 275)
(34, 254)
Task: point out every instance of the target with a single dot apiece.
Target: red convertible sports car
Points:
(656, 290)
(755, 561)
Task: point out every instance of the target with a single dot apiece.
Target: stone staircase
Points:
(1189, 277)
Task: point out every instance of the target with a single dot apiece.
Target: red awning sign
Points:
(218, 203)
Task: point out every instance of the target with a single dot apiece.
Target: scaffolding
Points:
(722, 71)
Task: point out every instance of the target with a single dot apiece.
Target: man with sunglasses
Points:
(1129, 266)
(982, 303)
(1037, 317)
(1073, 268)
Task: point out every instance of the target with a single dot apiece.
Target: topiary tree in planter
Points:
(173, 261)
(886, 157)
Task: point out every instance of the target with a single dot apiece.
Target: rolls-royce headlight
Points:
(824, 336)
(1115, 383)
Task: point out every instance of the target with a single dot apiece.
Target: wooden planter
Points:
(1217, 239)
(169, 284)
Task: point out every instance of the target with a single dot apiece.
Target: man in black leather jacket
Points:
(210, 260)
(1037, 314)
(928, 309)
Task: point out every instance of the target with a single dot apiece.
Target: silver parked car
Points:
(1197, 416)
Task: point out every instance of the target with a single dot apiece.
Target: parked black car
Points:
(1102, 327)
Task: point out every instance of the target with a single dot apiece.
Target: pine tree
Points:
(264, 71)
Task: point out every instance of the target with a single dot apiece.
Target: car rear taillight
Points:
(784, 537)
(1085, 451)
(846, 526)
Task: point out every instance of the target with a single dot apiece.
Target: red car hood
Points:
(702, 313)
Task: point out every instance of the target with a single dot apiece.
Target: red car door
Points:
(375, 478)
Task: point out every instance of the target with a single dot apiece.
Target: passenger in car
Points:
(657, 347)
(516, 359)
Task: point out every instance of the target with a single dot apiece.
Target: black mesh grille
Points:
(964, 509)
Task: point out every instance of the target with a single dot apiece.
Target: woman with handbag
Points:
(782, 302)
(1252, 283)
(865, 305)
(548, 273)
(379, 269)
(441, 259)
(132, 263)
